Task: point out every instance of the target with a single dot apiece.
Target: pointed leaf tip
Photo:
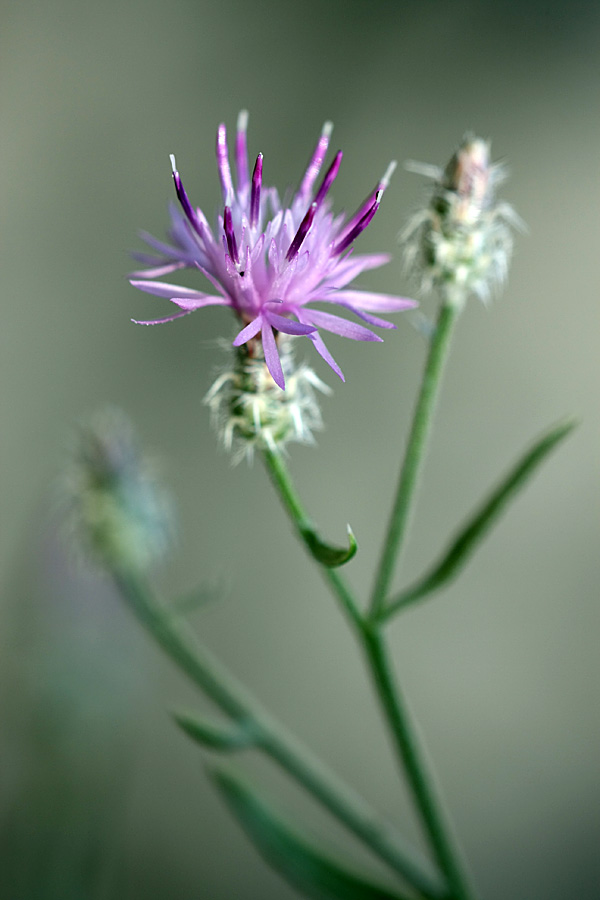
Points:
(212, 735)
(328, 554)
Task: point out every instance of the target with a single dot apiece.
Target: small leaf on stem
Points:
(310, 870)
(327, 554)
(214, 736)
(477, 527)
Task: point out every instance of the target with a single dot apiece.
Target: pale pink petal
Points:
(161, 246)
(339, 326)
(351, 266)
(372, 301)
(324, 352)
(272, 356)
(247, 333)
(159, 271)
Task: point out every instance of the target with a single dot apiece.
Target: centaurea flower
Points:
(269, 262)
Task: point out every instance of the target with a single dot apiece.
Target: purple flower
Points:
(270, 262)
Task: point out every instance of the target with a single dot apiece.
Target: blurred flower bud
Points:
(249, 411)
(117, 512)
(462, 242)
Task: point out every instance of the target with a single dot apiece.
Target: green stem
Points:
(403, 732)
(179, 642)
(412, 757)
(290, 498)
(414, 455)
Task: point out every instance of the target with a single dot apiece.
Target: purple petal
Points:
(288, 326)
(215, 283)
(198, 302)
(185, 202)
(324, 352)
(370, 199)
(162, 289)
(223, 164)
(158, 271)
(360, 212)
(161, 246)
(352, 266)
(160, 321)
(272, 356)
(316, 161)
(247, 333)
(373, 301)
(367, 317)
(230, 234)
(339, 326)
(241, 155)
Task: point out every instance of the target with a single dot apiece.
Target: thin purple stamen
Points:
(329, 178)
(230, 235)
(314, 166)
(360, 226)
(223, 164)
(241, 153)
(255, 192)
(368, 202)
(184, 200)
(302, 232)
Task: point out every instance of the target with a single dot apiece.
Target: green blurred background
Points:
(101, 797)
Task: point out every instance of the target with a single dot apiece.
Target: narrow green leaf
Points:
(213, 736)
(306, 868)
(464, 545)
(327, 554)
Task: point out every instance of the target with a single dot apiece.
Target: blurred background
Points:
(100, 795)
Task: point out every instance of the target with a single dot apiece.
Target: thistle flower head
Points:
(462, 242)
(270, 262)
(116, 512)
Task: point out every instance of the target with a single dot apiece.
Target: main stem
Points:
(421, 425)
(413, 761)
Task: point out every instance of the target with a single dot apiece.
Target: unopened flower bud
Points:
(117, 513)
(462, 242)
(249, 411)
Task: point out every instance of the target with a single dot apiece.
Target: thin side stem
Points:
(281, 478)
(413, 760)
(181, 645)
(413, 458)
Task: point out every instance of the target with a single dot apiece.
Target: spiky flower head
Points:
(270, 262)
(117, 513)
(462, 242)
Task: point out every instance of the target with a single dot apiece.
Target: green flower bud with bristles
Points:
(462, 242)
(250, 412)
